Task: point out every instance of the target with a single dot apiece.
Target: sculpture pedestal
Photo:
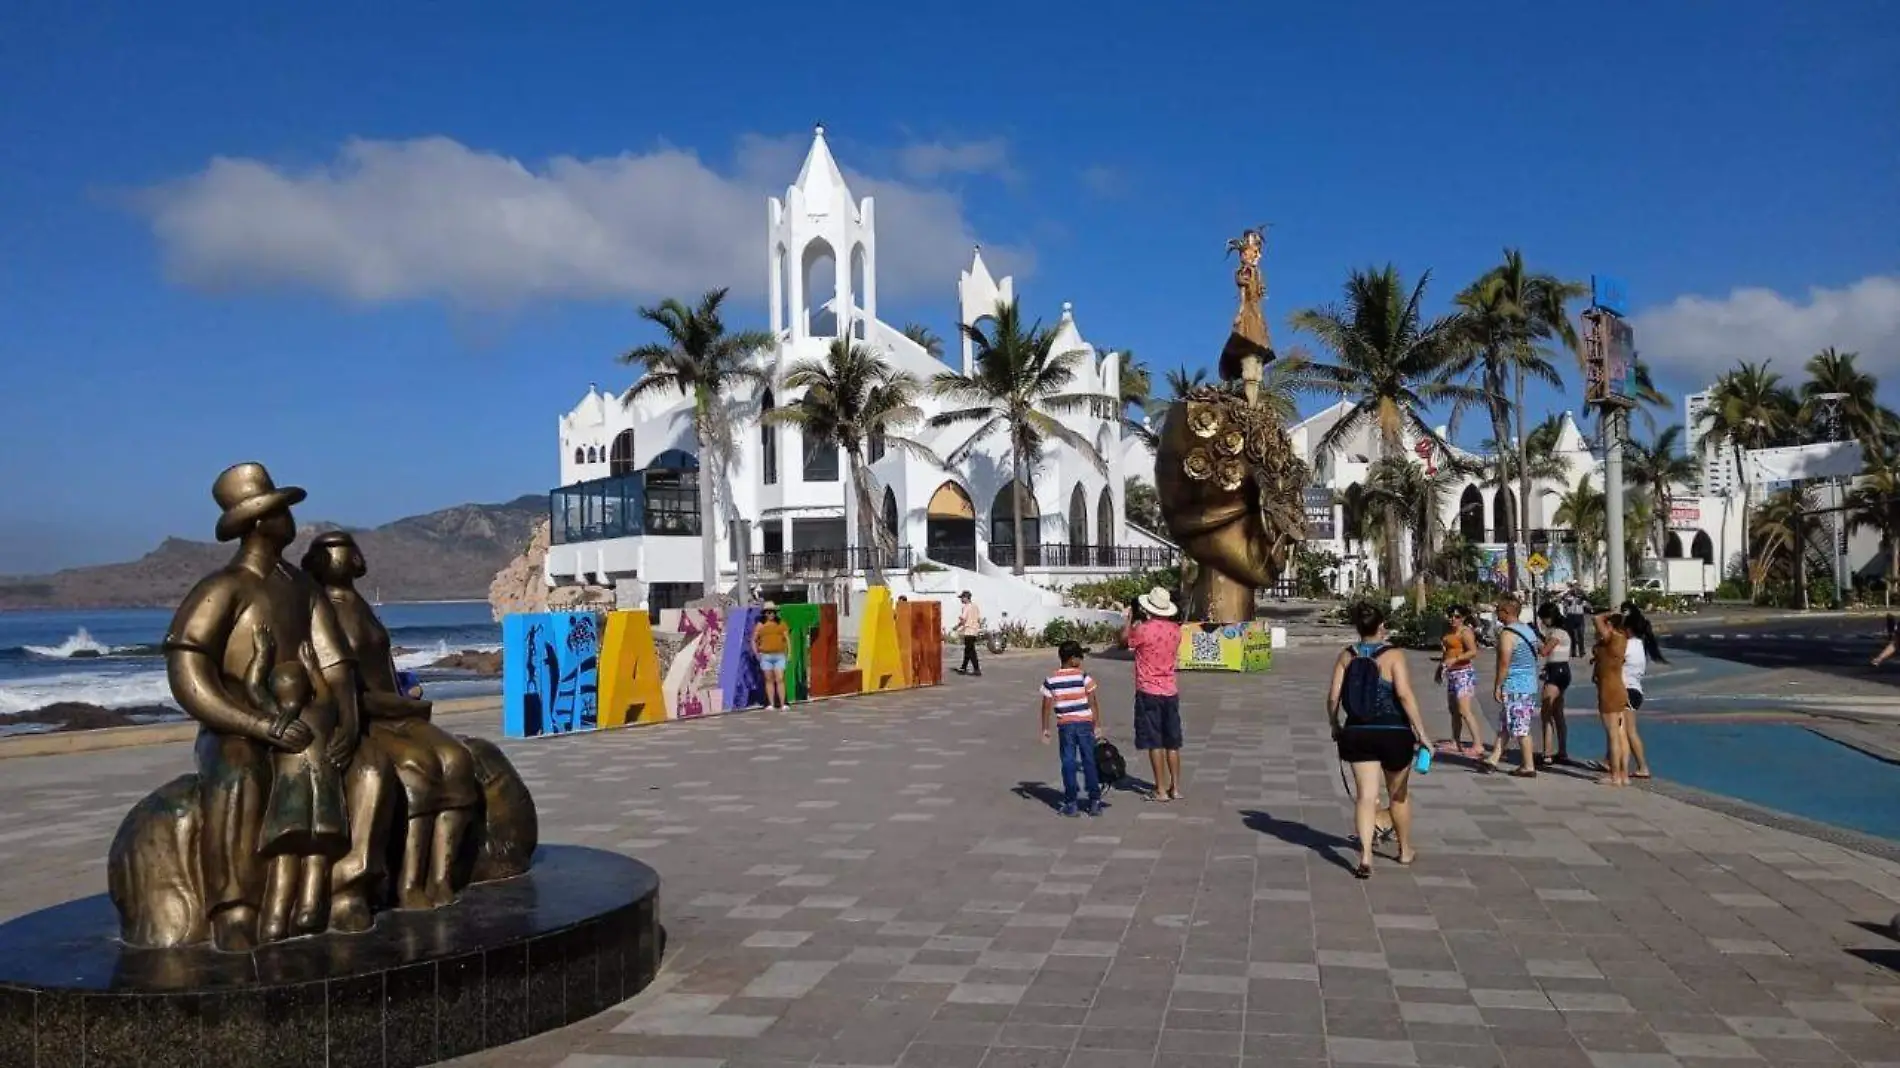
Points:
(578, 933)
(1215, 598)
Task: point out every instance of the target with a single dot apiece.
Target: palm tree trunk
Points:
(1893, 564)
(1523, 479)
(873, 546)
(1500, 431)
(1390, 447)
(708, 510)
(1016, 517)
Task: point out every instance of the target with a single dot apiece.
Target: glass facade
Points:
(660, 501)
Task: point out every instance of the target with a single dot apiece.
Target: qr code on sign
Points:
(1206, 645)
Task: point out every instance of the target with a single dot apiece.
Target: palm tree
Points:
(1509, 312)
(1875, 503)
(1019, 386)
(1650, 399)
(700, 361)
(1838, 400)
(1389, 363)
(1141, 502)
(926, 339)
(1659, 467)
(1180, 382)
(1784, 529)
(850, 400)
(1403, 488)
(1749, 408)
(1586, 511)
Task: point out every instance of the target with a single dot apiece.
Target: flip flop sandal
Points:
(1156, 796)
(1520, 773)
(1363, 871)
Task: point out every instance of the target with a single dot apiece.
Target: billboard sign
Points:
(1609, 360)
(1683, 516)
(1828, 459)
(1318, 503)
(1608, 294)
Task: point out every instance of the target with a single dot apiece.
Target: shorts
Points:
(1636, 700)
(1461, 681)
(1557, 675)
(1390, 748)
(772, 662)
(1157, 721)
(1519, 712)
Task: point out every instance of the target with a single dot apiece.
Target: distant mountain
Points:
(445, 555)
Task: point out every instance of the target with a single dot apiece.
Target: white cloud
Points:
(432, 218)
(928, 160)
(1693, 339)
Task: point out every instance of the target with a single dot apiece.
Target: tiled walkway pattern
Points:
(879, 882)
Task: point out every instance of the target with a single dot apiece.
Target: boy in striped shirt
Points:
(1068, 696)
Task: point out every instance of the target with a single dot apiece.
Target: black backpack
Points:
(1362, 693)
(1110, 768)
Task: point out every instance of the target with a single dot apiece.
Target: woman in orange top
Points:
(771, 640)
(1457, 669)
(1613, 698)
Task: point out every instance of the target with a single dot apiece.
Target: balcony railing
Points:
(1089, 557)
(812, 562)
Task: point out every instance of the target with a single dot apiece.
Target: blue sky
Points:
(428, 235)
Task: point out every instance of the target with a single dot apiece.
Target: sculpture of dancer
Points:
(213, 638)
(436, 771)
(1249, 347)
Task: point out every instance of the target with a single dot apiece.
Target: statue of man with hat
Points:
(208, 650)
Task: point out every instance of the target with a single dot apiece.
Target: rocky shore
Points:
(81, 716)
(473, 661)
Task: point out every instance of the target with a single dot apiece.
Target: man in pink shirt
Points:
(1154, 636)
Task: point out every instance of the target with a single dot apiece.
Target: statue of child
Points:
(305, 828)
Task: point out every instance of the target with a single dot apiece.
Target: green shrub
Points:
(1115, 593)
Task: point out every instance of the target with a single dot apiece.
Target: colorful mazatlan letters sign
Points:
(579, 671)
(1229, 647)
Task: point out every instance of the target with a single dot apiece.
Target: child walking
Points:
(1069, 697)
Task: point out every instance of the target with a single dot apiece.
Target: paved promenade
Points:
(881, 882)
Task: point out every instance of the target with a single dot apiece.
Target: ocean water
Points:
(111, 657)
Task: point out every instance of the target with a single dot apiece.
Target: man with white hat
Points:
(1155, 638)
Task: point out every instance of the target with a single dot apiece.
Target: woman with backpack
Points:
(1377, 728)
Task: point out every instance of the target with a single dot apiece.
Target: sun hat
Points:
(1157, 602)
(769, 606)
(247, 494)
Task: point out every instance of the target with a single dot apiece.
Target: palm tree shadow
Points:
(1325, 843)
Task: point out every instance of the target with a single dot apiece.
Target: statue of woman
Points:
(436, 771)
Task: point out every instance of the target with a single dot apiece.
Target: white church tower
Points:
(977, 297)
(818, 223)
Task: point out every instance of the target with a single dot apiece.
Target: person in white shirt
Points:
(969, 628)
(1555, 651)
(1643, 648)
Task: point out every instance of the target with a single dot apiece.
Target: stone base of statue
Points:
(573, 935)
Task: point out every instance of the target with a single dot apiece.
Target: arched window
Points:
(1504, 515)
(1078, 524)
(822, 306)
(1003, 527)
(1105, 528)
(580, 455)
(821, 459)
(620, 457)
(858, 282)
(1471, 515)
(950, 527)
(768, 441)
(1672, 546)
(890, 516)
(1702, 547)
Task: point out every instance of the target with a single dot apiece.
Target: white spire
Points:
(820, 179)
(980, 271)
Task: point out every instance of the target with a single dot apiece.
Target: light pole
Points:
(1833, 402)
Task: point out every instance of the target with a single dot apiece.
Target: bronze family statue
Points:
(323, 794)
(1230, 485)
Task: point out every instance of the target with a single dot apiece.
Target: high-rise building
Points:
(1718, 477)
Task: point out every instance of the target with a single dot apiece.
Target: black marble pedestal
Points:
(578, 933)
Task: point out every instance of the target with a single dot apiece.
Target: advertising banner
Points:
(1231, 647)
(1319, 514)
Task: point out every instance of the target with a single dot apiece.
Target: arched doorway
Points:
(1702, 547)
(1078, 526)
(1471, 515)
(1105, 529)
(1003, 527)
(620, 457)
(1672, 546)
(950, 527)
(1504, 515)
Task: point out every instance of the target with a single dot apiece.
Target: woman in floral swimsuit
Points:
(1458, 671)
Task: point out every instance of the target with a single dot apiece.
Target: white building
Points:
(1718, 465)
(1704, 527)
(627, 515)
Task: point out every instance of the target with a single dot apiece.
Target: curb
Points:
(62, 743)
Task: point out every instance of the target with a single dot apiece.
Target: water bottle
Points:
(1422, 763)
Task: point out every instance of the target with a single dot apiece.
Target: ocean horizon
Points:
(111, 657)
